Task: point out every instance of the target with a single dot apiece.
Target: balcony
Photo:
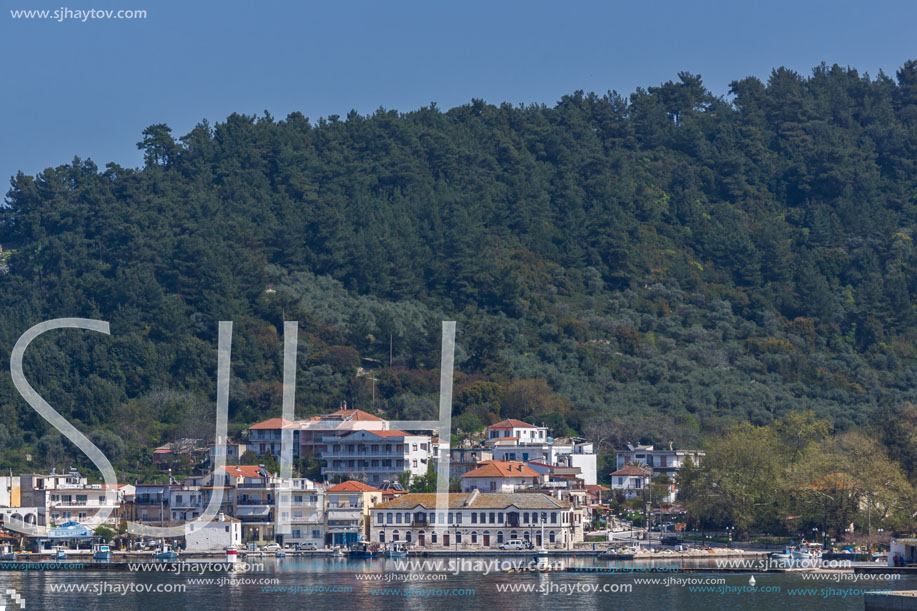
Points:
(255, 502)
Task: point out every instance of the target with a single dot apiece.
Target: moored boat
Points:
(396, 550)
(101, 551)
(165, 552)
(59, 553)
(363, 549)
(6, 553)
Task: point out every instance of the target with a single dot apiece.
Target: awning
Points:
(242, 512)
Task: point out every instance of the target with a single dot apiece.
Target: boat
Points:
(59, 553)
(280, 554)
(338, 551)
(102, 552)
(806, 552)
(6, 553)
(165, 552)
(363, 549)
(784, 558)
(396, 550)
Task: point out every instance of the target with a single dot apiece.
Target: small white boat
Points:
(396, 550)
(101, 552)
(6, 553)
(280, 554)
(59, 553)
(165, 552)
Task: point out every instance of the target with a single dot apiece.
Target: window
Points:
(458, 517)
(458, 537)
(388, 517)
(407, 518)
(381, 536)
(474, 518)
(450, 517)
(432, 518)
(525, 517)
(398, 518)
(433, 537)
(379, 518)
(551, 536)
(500, 537)
(415, 462)
(474, 537)
(493, 517)
(553, 517)
(396, 536)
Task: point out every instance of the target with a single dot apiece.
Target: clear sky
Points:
(89, 88)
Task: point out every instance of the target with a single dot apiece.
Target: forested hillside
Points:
(664, 263)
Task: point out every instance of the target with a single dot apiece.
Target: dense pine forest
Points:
(654, 267)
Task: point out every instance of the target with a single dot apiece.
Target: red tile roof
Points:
(512, 423)
(247, 471)
(273, 423)
(388, 433)
(632, 470)
(353, 486)
(354, 414)
(500, 468)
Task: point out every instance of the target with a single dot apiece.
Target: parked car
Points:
(271, 547)
(309, 547)
(514, 544)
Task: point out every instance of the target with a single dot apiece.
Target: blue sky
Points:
(89, 88)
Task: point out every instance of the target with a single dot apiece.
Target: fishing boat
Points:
(165, 552)
(280, 554)
(6, 553)
(102, 552)
(396, 550)
(59, 553)
(784, 558)
(807, 551)
(363, 549)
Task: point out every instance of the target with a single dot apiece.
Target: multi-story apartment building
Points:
(659, 462)
(348, 511)
(664, 462)
(316, 432)
(69, 498)
(553, 452)
(375, 456)
(305, 512)
(478, 520)
(267, 437)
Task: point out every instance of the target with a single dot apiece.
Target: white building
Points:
(305, 512)
(477, 520)
(376, 456)
(559, 453)
(517, 429)
(500, 476)
(631, 480)
(661, 462)
(213, 536)
(69, 498)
